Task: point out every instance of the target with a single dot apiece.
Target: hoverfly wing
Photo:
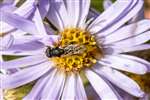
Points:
(74, 49)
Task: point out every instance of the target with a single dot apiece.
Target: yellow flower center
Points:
(84, 57)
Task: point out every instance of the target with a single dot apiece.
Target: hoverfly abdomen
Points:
(66, 51)
(54, 52)
(74, 49)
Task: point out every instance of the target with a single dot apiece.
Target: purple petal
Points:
(137, 48)
(17, 33)
(73, 12)
(8, 1)
(69, 91)
(80, 92)
(132, 11)
(83, 11)
(25, 10)
(137, 17)
(54, 86)
(120, 80)
(100, 86)
(116, 50)
(133, 41)
(31, 46)
(24, 62)
(8, 7)
(117, 93)
(114, 11)
(49, 30)
(107, 4)
(37, 88)
(20, 40)
(121, 63)
(125, 11)
(6, 42)
(146, 63)
(50, 40)
(25, 46)
(58, 14)
(15, 21)
(44, 7)
(24, 76)
(24, 52)
(93, 13)
(39, 24)
(128, 31)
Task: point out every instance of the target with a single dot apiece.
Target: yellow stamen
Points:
(76, 62)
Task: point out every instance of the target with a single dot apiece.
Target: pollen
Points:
(77, 62)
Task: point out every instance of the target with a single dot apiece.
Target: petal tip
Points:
(141, 94)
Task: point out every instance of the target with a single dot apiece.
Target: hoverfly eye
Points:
(48, 52)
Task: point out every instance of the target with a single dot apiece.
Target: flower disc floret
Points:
(76, 62)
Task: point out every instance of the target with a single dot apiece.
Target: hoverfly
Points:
(65, 51)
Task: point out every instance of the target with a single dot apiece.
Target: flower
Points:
(99, 45)
(8, 30)
(10, 12)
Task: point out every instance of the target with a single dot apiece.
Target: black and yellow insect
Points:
(68, 50)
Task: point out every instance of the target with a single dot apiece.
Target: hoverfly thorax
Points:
(54, 52)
